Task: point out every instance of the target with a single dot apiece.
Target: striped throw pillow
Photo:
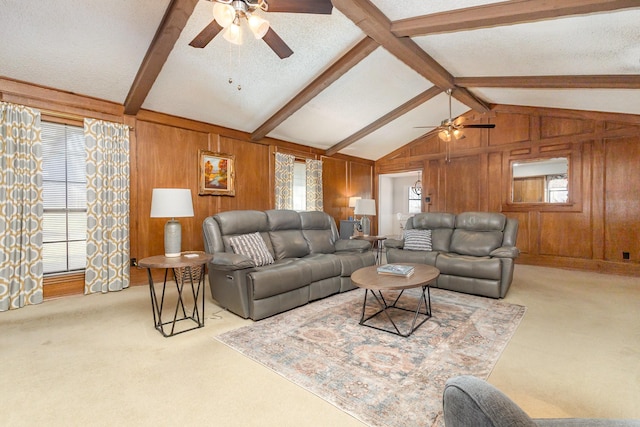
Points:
(417, 240)
(253, 246)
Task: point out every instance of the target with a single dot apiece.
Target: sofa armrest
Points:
(394, 243)
(229, 262)
(505, 252)
(354, 245)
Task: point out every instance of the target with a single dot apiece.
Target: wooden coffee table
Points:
(374, 283)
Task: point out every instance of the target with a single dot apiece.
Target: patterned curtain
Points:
(107, 154)
(21, 207)
(314, 185)
(284, 181)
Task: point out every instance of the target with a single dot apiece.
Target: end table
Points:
(189, 268)
(376, 245)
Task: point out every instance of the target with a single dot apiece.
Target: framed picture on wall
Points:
(216, 174)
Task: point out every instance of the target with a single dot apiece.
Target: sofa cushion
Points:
(351, 262)
(286, 234)
(441, 226)
(475, 243)
(252, 245)
(481, 221)
(316, 229)
(323, 266)
(288, 244)
(469, 266)
(417, 240)
(278, 278)
(241, 222)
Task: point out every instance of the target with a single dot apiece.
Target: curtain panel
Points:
(284, 181)
(21, 207)
(107, 155)
(314, 185)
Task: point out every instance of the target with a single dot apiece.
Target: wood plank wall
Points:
(164, 153)
(592, 231)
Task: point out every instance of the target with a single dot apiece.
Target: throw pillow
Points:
(417, 240)
(253, 246)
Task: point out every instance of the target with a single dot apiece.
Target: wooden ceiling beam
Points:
(503, 13)
(333, 73)
(377, 26)
(174, 20)
(620, 81)
(386, 119)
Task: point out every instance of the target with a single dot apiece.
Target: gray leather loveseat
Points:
(295, 258)
(474, 251)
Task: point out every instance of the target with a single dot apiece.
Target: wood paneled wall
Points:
(592, 231)
(164, 153)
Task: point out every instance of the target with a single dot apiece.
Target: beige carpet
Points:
(97, 360)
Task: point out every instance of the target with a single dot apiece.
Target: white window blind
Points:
(299, 186)
(64, 197)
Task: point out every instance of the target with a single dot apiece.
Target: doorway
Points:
(397, 201)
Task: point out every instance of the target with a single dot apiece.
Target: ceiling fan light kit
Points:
(224, 14)
(449, 129)
(259, 26)
(228, 16)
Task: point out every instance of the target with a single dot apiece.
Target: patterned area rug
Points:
(380, 378)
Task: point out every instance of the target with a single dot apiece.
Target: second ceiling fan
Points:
(229, 15)
(450, 128)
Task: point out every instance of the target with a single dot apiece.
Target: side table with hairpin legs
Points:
(188, 269)
(376, 245)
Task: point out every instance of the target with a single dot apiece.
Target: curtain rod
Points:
(67, 116)
(296, 156)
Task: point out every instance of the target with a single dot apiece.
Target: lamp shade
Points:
(171, 203)
(233, 34)
(258, 26)
(352, 201)
(224, 14)
(365, 207)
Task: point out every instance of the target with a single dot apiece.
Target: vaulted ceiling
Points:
(360, 80)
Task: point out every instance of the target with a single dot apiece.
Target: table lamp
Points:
(365, 207)
(352, 203)
(171, 203)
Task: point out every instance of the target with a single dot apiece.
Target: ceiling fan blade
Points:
(277, 44)
(322, 7)
(425, 127)
(206, 35)
(489, 126)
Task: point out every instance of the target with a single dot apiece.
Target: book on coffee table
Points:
(396, 270)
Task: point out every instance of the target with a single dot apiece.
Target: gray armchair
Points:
(472, 402)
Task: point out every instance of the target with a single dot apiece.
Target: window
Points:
(299, 186)
(415, 199)
(64, 198)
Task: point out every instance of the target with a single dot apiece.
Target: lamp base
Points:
(366, 225)
(172, 238)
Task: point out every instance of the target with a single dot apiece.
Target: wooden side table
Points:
(376, 244)
(189, 268)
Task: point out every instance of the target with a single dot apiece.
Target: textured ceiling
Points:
(96, 47)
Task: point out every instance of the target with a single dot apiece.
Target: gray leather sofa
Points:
(474, 251)
(471, 402)
(310, 261)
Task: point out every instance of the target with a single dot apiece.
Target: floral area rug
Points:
(379, 378)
